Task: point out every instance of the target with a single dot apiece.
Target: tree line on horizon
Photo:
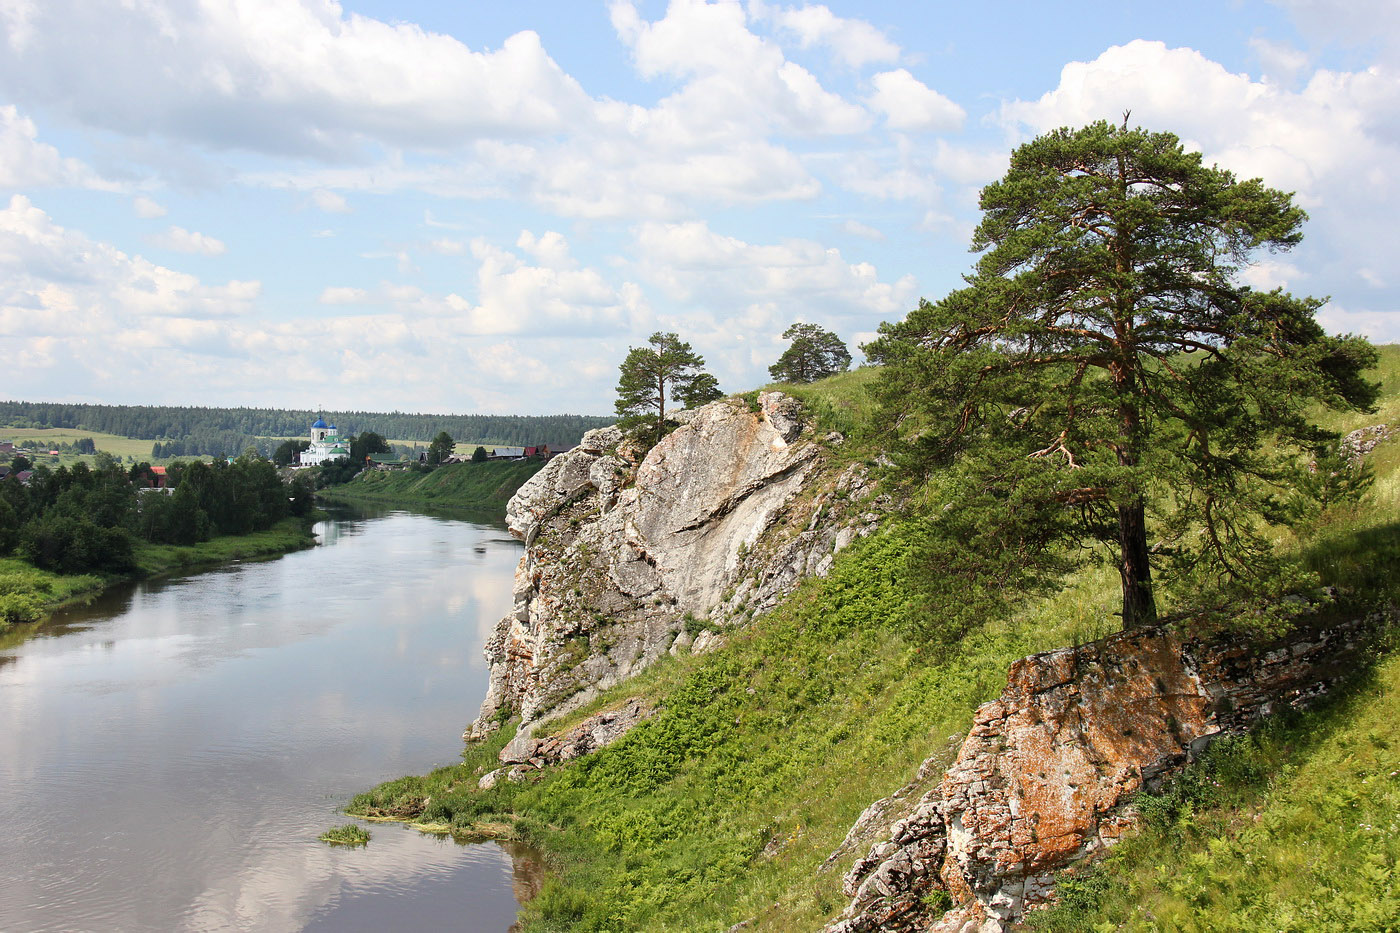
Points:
(226, 432)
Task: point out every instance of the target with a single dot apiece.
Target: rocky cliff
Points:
(1048, 770)
(626, 560)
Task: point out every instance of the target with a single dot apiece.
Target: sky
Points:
(466, 207)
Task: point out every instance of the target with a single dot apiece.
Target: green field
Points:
(114, 444)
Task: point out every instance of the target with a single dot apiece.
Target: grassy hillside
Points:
(476, 486)
(726, 805)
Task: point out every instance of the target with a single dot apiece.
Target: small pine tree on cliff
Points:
(815, 353)
(1106, 380)
(667, 368)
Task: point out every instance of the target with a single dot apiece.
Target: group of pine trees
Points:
(669, 368)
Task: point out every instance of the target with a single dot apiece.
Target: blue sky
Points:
(469, 207)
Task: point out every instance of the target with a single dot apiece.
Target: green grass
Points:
(290, 534)
(114, 444)
(27, 594)
(839, 403)
(481, 486)
(351, 834)
(729, 800)
(724, 806)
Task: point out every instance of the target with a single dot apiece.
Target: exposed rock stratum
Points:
(1047, 773)
(627, 561)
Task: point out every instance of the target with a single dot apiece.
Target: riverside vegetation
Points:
(484, 486)
(71, 532)
(726, 805)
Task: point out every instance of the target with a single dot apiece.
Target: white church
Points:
(326, 445)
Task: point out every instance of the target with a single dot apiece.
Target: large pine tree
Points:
(1107, 378)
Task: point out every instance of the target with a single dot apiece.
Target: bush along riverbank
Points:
(68, 533)
(485, 486)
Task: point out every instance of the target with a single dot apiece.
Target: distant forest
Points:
(226, 432)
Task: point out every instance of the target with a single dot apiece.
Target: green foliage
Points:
(1105, 368)
(479, 455)
(775, 741)
(366, 443)
(441, 448)
(225, 432)
(479, 485)
(666, 369)
(815, 353)
(65, 544)
(351, 834)
(286, 452)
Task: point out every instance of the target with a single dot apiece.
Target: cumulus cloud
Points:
(909, 104)
(693, 262)
(27, 163)
(146, 208)
(58, 282)
(329, 201)
(853, 42)
(280, 76)
(736, 80)
(188, 241)
(83, 319)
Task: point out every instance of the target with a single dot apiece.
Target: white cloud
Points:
(277, 75)
(146, 208)
(1379, 326)
(188, 241)
(27, 163)
(909, 104)
(342, 295)
(556, 296)
(1282, 63)
(854, 42)
(695, 264)
(865, 231)
(737, 81)
(329, 201)
(58, 282)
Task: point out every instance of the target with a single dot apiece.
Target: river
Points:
(169, 753)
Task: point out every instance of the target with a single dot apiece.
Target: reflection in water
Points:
(171, 751)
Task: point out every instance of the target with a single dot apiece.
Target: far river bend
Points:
(169, 754)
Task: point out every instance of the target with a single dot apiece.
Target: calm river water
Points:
(169, 754)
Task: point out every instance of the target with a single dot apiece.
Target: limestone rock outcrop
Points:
(625, 561)
(1046, 775)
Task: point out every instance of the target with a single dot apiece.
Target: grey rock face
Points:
(719, 521)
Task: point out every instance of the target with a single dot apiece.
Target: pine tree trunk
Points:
(1139, 606)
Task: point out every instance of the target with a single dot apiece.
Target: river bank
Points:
(477, 487)
(28, 595)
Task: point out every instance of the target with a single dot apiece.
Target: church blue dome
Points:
(320, 424)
